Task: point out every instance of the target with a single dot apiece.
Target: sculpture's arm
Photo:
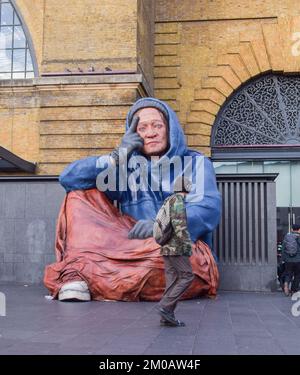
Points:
(82, 174)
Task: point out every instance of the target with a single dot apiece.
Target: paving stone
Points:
(234, 323)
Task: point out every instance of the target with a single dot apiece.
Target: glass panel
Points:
(295, 183)
(238, 167)
(225, 167)
(19, 60)
(29, 61)
(13, 45)
(5, 75)
(250, 167)
(6, 14)
(5, 60)
(283, 181)
(16, 19)
(19, 75)
(29, 75)
(6, 37)
(283, 224)
(19, 37)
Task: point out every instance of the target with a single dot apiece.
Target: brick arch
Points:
(269, 49)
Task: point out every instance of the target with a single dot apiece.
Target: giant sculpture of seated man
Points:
(104, 244)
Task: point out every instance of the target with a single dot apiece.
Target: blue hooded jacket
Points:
(203, 210)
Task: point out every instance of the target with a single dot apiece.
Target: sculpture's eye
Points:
(141, 129)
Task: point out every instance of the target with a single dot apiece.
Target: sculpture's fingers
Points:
(133, 125)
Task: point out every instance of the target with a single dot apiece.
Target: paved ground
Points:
(234, 323)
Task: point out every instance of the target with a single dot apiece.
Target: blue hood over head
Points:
(177, 140)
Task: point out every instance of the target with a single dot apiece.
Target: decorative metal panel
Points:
(265, 111)
(241, 237)
(247, 223)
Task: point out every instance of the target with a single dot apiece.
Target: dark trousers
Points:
(292, 274)
(281, 273)
(179, 276)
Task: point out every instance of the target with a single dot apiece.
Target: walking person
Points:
(176, 249)
(291, 257)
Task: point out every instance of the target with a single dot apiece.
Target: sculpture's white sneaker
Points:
(74, 291)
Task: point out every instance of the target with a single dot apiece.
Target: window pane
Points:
(15, 57)
(29, 61)
(19, 37)
(18, 75)
(5, 75)
(5, 60)
(225, 167)
(6, 37)
(283, 181)
(250, 167)
(29, 75)
(6, 14)
(19, 60)
(16, 19)
(295, 175)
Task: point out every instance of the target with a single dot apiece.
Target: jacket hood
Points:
(177, 141)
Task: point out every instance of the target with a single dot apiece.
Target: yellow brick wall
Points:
(204, 50)
(83, 33)
(210, 10)
(53, 121)
(72, 34)
(145, 40)
(53, 124)
(167, 63)
(79, 121)
(19, 122)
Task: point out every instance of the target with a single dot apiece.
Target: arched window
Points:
(260, 119)
(15, 55)
(257, 131)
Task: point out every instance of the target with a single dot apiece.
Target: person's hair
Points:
(296, 227)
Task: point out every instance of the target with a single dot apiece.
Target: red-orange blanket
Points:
(92, 245)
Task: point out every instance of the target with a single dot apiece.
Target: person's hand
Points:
(130, 141)
(142, 229)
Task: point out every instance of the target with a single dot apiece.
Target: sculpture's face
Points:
(153, 129)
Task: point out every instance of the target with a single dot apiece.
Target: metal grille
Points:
(265, 111)
(243, 236)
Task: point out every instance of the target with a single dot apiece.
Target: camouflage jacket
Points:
(180, 242)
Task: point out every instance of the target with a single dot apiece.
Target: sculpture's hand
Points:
(130, 141)
(142, 229)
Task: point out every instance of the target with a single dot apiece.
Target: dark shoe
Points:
(176, 323)
(286, 289)
(165, 323)
(169, 318)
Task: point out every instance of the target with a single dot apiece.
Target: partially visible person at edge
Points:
(176, 253)
(152, 129)
(291, 263)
